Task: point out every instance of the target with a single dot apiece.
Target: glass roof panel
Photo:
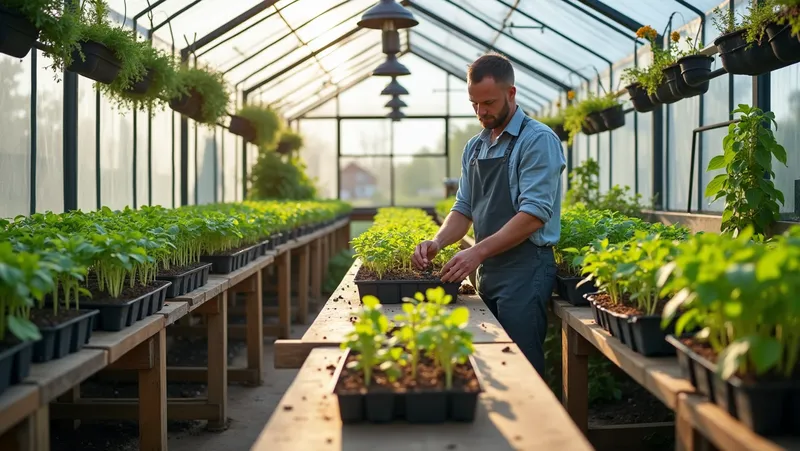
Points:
(656, 12)
(229, 50)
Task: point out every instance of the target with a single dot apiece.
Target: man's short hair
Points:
(492, 65)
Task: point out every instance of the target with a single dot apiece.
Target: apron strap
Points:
(475, 149)
(513, 142)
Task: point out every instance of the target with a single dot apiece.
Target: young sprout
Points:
(452, 343)
(367, 337)
(412, 332)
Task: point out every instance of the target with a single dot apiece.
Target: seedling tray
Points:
(186, 282)
(117, 316)
(64, 338)
(571, 292)
(422, 406)
(393, 291)
(642, 334)
(226, 264)
(15, 364)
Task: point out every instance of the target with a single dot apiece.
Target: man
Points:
(510, 189)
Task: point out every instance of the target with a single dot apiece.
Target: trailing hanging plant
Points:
(651, 77)
(575, 114)
(60, 28)
(750, 198)
(161, 69)
(790, 15)
(290, 141)
(266, 122)
(208, 84)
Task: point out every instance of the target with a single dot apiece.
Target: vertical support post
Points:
(217, 326)
(285, 294)
(302, 284)
(255, 328)
(153, 397)
(135, 156)
(338, 151)
(34, 129)
(70, 136)
(316, 269)
(575, 376)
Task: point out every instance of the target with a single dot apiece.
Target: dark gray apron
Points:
(517, 283)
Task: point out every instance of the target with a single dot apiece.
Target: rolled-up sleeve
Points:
(462, 203)
(540, 166)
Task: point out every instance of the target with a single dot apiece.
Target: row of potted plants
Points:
(418, 366)
(64, 275)
(385, 251)
(764, 39)
(595, 114)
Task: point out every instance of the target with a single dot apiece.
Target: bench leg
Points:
(255, 328)
(153, 397)
(218, 361)
(687, 438)
(285, 294)
(575, 376)
(302, 285)
(316, 269)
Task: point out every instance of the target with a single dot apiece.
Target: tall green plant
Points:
(751, 198)
(265, 121)
(210, 85)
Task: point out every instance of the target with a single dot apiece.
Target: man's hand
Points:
(424, 253)
(462, 265)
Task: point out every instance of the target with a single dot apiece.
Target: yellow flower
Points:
(571, 95)
(646, 32)
(675, 36)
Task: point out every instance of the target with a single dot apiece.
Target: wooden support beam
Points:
(302, 284)
(316, 269)
(284, 293)
(128, 409)
(218, 361)
(255, 334)
(575, 376)
(629, 437)
(153, 398)
(292, 353)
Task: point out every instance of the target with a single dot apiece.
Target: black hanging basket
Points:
(785, 46)
(695, 70)
(17, 33)
(598, 124)
(141, 86)
(284, 148)
(665, 95)
(562, 134)
(613, 117)
(190, 105)
(642, 102)
(740, 58)
(587, 128)
(677, 84)
(242, 127)
(100, 65)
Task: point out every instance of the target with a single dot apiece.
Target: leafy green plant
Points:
(652, 77)
(210, 85)
(367, 337)
(790, 15)
(265, 121)
(750, 198)
(575, 114)
(552, 121)
(443, 208)
(273, 177)
(290, 141)
(164, 83)
(452, 343)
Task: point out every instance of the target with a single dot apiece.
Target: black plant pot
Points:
(186, 282)
(598, 124)
(242, 127)
(587, 128)
(17, 33)
(190, 105)
(613, 117)
(100, 63)
(15, 364)
(226, 264)
(647, 336)
(785, 46)
(65, 338)
(119, 315)
(414, 406)
(573, 293)
(665, 95)
(140, 87)
(678, 86)
(695, 70)
(740, 58)
(560, 132)
(393, 291)
(642, 102)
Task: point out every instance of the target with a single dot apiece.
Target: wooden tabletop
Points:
(518, 411)
(119, 343)
(55, 377)
(17, 403)
(661, 376)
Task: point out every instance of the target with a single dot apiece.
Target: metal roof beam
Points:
(613, 14)
(559, 84)
(174, 15)
(604, 22)
(224, 28)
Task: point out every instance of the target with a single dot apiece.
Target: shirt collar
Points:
(513, 127)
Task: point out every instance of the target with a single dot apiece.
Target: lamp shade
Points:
(391, 68)
(394, 89)
(387, 14)
(395, 115)
(395, 103)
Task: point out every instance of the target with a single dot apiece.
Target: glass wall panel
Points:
(230, 161)
(15, 128)
(419, 136)
(461, 130)
(365, 181)
(786, 105)
(319, 154)
(142, 158)
(49, 139)
(715, 110)
(176, 155)
(191, 173)
(116, 156)
(459, 98)
(206, 164)
(87, 145)
(162, 154)
(366, 136)
(418, 181)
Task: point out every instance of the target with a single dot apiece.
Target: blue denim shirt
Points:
(535, 167)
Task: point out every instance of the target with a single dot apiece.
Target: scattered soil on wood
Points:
(466, 288)
(179, 270)
(429, 376)
(128, 293)
(398, 274)
(46, 318)
(625, 306)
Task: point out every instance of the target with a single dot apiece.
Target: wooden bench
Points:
(333, 323)
(517, 411)
(699, 424)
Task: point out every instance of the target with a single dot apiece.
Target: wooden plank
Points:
(724, 431)
(302, 285)
(215, 285)
(118, 343)
(173, 310)
(575, 376)
(517, 411)
(292, 353)
(17, 403)
(153, 398)
(659, 375)
(333, 321)
(285, 294)
(316, 269)
(628, 437)
(255, 333)
(56, 377)
(218, 362)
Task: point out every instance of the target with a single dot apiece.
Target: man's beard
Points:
(498, 120)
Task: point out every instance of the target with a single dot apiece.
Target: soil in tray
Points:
(411, 274)
(128, 292)
(177, 270)
(704, 350)
(46, 317)
(624, 307)
(231, 251)
(429, 376)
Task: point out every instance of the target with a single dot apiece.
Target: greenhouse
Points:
(250, 225)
